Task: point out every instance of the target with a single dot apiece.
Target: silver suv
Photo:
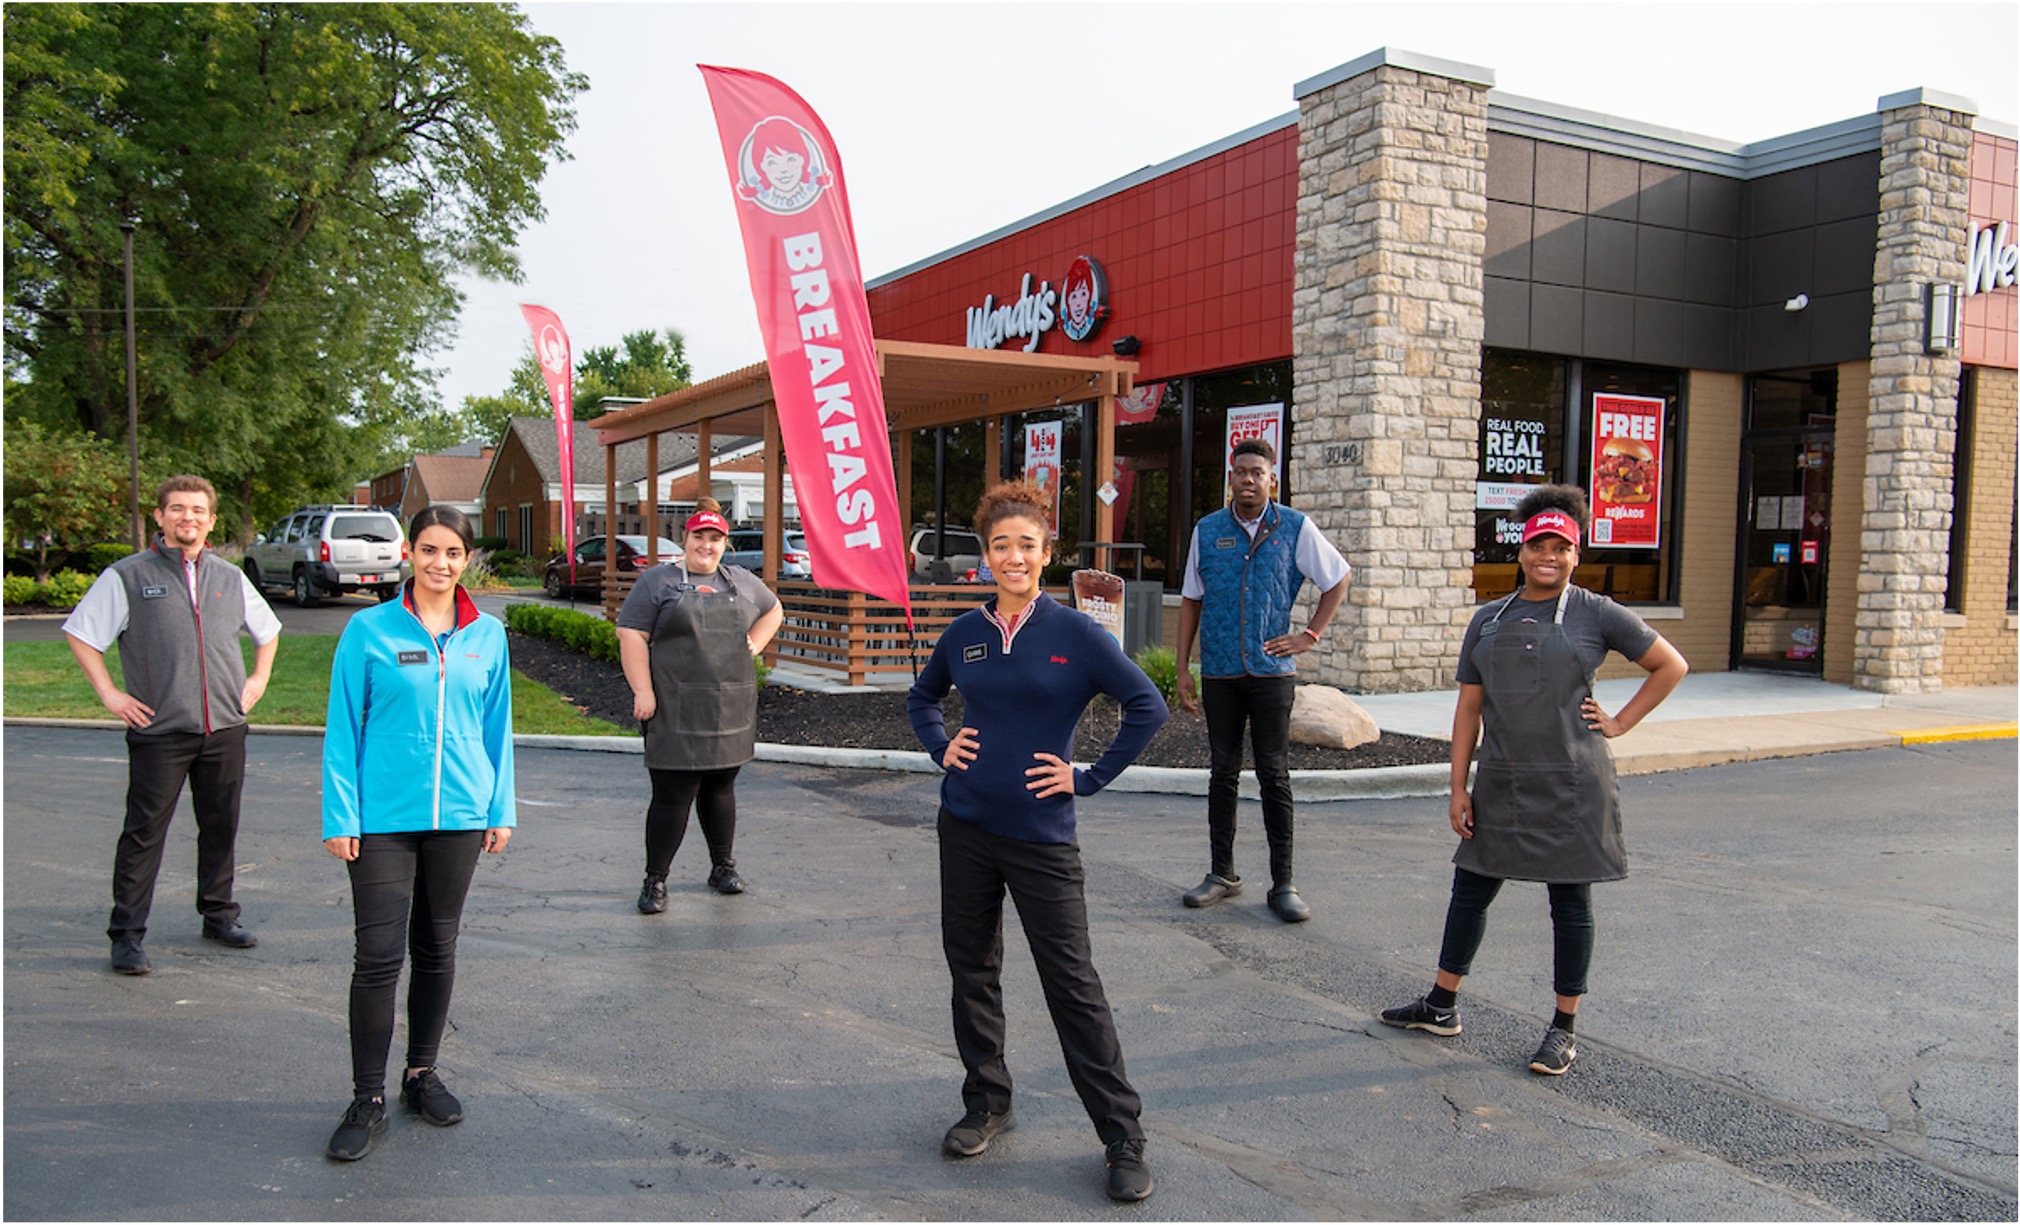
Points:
(964, 554)
(331, 550)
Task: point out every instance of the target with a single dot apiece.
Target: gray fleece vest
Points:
(184, 661)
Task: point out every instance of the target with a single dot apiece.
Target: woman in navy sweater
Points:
(1026, 668)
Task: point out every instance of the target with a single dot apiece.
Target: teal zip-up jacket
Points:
(419, 735)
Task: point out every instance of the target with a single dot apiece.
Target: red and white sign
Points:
(1140, 405)
(1626, 471)
(1041, 460)
(557, 369)
(1264, 421)
(807, 282)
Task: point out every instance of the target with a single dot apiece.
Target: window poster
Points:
(1626, 471)
(1041, 460)
(1264, 421)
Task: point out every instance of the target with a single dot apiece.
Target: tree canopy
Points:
(645, 364)
(303, 180)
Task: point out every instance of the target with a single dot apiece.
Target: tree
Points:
(307, 179)
(646, 364)
(64, 491)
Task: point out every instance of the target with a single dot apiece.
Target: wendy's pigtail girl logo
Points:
(1083, 299)
(781, 168)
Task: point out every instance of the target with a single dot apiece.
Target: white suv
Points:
(331, 550)
(964, 553)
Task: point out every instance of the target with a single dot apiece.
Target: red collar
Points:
(466, 608)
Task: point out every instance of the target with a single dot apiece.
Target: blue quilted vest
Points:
(1249, 590)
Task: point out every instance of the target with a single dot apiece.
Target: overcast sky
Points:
(954, 119)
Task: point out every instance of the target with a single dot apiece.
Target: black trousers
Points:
(1046, 882)
(712, 795)
(408, 891)
(156, 765)
(1571, 927)
(1263, 704)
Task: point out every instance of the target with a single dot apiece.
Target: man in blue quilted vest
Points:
(1248, 561)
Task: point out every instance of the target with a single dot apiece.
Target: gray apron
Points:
(1546, 803)
(703, 681)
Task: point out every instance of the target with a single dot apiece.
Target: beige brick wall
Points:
(1848, 483)
(1985, 649)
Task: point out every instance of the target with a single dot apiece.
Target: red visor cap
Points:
(1544, 523)
(705, 521)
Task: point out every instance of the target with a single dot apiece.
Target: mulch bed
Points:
(877, 720)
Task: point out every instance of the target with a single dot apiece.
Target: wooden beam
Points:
(652, 498)
(608, 592)
(992, 452)
(1104, 472)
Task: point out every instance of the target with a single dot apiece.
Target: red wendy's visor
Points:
(1546, 523)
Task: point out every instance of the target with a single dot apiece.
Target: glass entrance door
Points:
(1786, 477)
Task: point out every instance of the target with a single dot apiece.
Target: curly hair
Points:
(1013, 499)
(1568, 498)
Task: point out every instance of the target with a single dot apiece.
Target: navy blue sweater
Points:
(1023, 692)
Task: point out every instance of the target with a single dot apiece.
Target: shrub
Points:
(478, 574)
(488, 542)
(511, 563)
(98, 556)
(20, 589)
(1160, 664)
(65, 588)
(579, 631)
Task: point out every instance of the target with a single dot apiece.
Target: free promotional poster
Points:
(1626, 471)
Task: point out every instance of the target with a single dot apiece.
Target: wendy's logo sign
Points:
(781, 167)
(553, 350)
(1084, 299)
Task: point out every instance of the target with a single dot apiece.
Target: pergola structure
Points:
(925, 386)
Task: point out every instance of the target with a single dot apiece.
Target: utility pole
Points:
(132, 400)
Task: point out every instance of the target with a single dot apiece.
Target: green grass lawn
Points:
(43, 681)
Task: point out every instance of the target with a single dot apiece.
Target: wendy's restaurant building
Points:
(1785, 370)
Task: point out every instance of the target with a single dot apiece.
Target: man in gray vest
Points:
(176, 610)
(1247, 563)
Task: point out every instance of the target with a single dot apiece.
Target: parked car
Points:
(964, 554)
(321, 551)
(747, 549)
(589, 562)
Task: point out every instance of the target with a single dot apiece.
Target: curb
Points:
(1968, 731)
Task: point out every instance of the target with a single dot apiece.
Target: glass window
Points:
(1522, 443)
(1633, 573)
(1960, 491)
(374, 528)
(590, 550)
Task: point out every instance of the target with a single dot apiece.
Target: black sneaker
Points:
(128, 958)
(1128, 1177)
(723, 879)
(363, 1123)
(973, 1133)
(1420, 1013)
(1560, 1047)
(425, 1092)
(652, 896)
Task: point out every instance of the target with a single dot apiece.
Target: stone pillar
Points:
(1911, 430)
(1386, 326)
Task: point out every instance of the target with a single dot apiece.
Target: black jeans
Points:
(1046, 882)
(408, 891)
(1263, 703)
(1571, 927)
(156, 765)
(712, 794)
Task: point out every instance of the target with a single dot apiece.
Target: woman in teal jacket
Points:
(417, 781)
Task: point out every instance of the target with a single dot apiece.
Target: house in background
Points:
(521, 490)
(448, 478)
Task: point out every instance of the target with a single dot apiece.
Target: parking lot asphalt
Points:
(1803, 1008)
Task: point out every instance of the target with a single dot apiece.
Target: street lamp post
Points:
(132, 400)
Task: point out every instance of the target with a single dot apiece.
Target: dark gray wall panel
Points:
(1612, 187)
(1558, 257)
(1609, 326)
(1508, 239)
(1658, 262)
(1560, 178)
(1844, 255)
(1714, 204)
(1556, 319)
(1785, 201)
(1849, 187)
(1710, 338)
(1658, 333)
(1511, 169)
(1841, 327)
(1780, 266)
(1776, 339)
(1710, 269)
(1609, 254)
(1665, 196)
(1506, 303)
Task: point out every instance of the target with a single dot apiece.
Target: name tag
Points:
(153, 593)
(974, 653)
(413, 657)
(1226, 542)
